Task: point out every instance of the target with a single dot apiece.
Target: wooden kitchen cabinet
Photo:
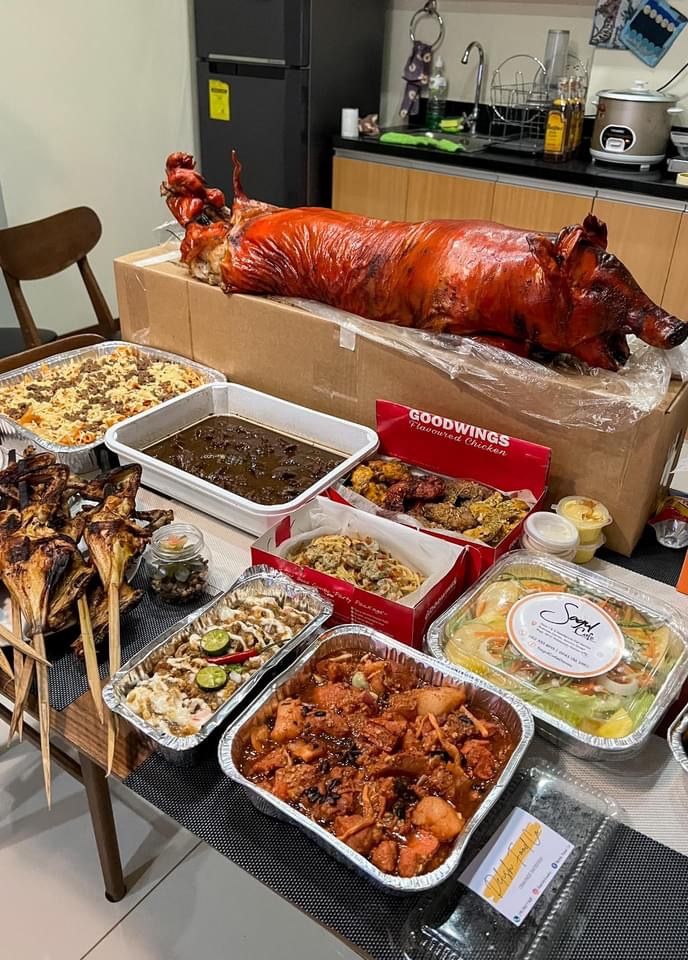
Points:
(371, 189)
(643, 238)
(675, 298)
(436, 196)
(532, 209)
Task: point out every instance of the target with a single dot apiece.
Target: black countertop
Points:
(655, 183)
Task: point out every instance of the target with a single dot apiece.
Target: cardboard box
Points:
(461, 451)
(443, 563)
(293, 354)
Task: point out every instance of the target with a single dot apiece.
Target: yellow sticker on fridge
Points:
(218, 100)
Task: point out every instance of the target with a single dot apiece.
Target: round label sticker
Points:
(565, 634)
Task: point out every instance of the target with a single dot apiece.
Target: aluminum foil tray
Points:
(514, 714)
(83, 458)
(261, 580)
(678, 741)
(585, 745)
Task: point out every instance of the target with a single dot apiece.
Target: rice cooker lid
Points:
(640, 92)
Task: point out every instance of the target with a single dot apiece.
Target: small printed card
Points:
(515, 868)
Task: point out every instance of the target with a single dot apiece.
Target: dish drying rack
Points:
(520, 100)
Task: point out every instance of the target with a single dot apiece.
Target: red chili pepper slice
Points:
(234, 657)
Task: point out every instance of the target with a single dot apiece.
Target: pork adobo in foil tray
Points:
(236, 744)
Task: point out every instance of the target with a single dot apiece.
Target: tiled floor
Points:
(183, 897)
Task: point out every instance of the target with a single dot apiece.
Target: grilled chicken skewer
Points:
(113, 540)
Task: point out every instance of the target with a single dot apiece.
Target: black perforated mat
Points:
(138, 627)
(634, 911)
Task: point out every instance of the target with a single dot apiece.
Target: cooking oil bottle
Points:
(558, 125)
(580, 101)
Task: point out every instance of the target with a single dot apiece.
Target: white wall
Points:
(508, 27)
(93, 95)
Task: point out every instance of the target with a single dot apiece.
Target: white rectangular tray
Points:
(129, 438)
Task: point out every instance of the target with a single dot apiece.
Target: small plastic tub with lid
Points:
(597, 663)
(586, 551)
(178, 562)
(589, 516)
(551, 534)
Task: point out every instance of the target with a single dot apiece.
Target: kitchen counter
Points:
(655, 184)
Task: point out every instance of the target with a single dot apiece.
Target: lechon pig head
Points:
(605, 302)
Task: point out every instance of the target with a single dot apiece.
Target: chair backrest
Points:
(48, 350)
(42, 248)
(45, 247)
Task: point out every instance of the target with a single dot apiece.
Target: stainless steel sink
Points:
(471, 143)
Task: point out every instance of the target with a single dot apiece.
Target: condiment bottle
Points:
(556, 131)
(178, 563)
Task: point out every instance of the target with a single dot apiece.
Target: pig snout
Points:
(657, 327)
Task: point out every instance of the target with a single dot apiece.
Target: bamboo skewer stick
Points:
(18, 658)
(21, 646)
(44, 713)
(6, 665)
(115, 656)
(21, 695)
(90, 655)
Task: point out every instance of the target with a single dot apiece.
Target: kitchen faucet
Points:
(473, 115)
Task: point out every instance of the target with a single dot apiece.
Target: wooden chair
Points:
(48, 350)
(32, 251)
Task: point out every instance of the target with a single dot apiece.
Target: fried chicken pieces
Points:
(391, 766)
(472, 509)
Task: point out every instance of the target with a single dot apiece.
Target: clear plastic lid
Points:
(585, 653)
(455, 922)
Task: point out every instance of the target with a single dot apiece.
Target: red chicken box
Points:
(375, 572)
(450, 479)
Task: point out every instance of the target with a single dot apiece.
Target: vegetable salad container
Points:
(598, 664)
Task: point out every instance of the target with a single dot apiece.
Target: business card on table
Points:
(515, 868)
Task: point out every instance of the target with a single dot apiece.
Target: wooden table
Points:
(80, 742)
(77, 730)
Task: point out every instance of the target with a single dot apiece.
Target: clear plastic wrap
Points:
(578, 395)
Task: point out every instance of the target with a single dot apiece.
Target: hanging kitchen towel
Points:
(416, 74)
(609, 19)
(652, 30)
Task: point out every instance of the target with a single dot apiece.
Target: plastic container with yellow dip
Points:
(589, 516)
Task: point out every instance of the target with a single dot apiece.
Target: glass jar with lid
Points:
(178, 563)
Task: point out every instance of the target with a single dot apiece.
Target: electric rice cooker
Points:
(633, 126)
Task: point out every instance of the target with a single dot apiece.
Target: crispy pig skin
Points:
(522, 291)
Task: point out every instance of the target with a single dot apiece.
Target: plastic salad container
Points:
(457, 923)
(597, 663)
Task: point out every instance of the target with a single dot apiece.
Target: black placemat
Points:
(138, 627)
(650, 559)
(634, 911)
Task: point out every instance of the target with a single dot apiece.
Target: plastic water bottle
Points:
(437, 94)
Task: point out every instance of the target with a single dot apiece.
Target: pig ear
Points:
(595, 231)
(544, 251)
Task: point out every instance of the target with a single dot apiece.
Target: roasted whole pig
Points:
(525, 292)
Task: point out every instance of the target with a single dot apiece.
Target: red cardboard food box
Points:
(406, 620)
(459, 451)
